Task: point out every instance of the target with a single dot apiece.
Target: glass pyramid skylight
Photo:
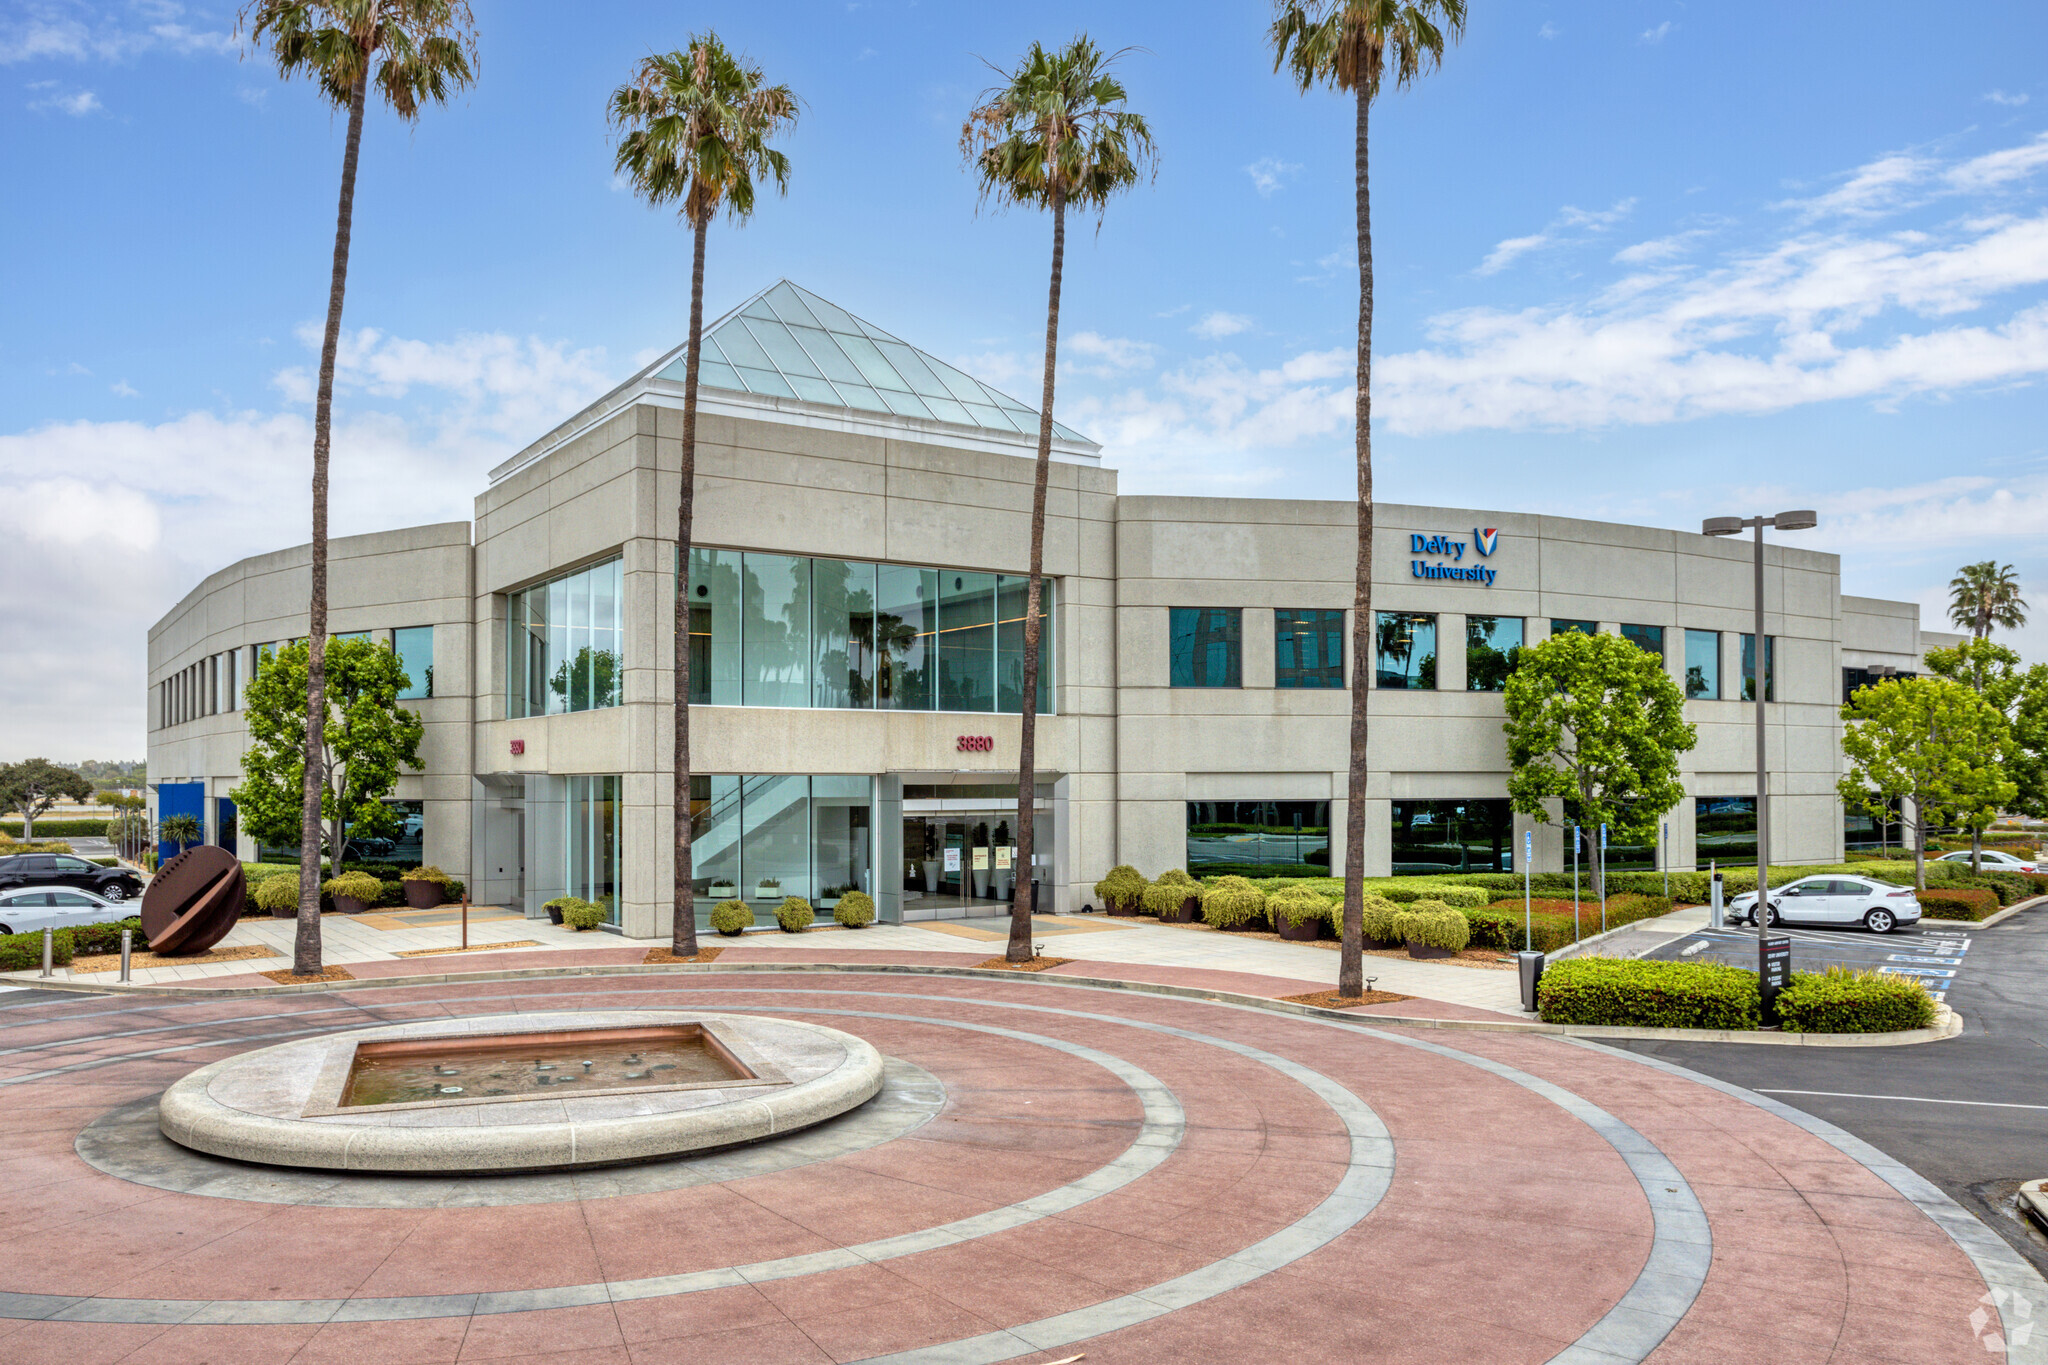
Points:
(789, 343)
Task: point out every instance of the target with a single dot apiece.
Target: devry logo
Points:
(1484, 541)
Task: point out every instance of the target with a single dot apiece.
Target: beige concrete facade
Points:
(1125, 750)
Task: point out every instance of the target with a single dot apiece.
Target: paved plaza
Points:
(1054, 1168)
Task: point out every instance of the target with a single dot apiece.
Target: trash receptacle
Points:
(1531, 967)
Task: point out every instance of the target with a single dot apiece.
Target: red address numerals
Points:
(975, 744)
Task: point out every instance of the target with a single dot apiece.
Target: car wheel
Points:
(115, 892)
(1879, 921)
(1770, 917)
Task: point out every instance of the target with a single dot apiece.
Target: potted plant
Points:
(556, 907)
(581, 914)
(794, 914)
(855, 910)
(1120, 891)
(1377, 918)
(732, 918)
(722, 889)
(279, 895)
(768, 889)
(353, 892)
(1234, 903)
(1432, 929)
(829, 896)
(1176, 898)
(1298, 913)
(425, 887)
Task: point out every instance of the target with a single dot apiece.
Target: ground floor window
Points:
(763, 838)
(1724, 830)
(592, 842)
(1863, 832)
(1452, 836)
(1259, 838)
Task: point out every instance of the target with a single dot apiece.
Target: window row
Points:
(565, 643)
(219, 683)
(791, 630)
(1205, 649)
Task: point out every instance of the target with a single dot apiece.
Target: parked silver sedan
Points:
(30, 909)
(1834, 899)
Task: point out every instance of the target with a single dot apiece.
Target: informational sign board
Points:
(1003, 858)
(952, 860)
(981, 860)
(1774, 972)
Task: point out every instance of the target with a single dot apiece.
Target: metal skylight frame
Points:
(786, 342)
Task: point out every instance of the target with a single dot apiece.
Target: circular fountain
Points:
(521, 1092)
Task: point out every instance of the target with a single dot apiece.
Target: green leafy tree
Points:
(1595, 722)
(1359, 47)
(590, 679)
(695, 128)
(1931, 741)
(413, 52)
(367, 738)
(1054, 135)
(34, 785)
(182, 830)
(1984, 595)
(2020, 695)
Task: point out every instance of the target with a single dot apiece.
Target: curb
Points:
(1948, 1026)
(2034, 1201)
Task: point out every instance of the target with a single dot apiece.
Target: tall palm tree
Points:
(413, 52)
(694, 130)
(1358, 46)
(1055, 133)
(1984, 595)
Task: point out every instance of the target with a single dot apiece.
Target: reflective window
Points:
(1574, 628)
(1749, 668)
(843, 633)
(967, 641)
(1621, 857)
(1013, 598)
(1703, 664)
(714, 627)
(1308, 647)
(1854, 678)
(406, 842)
(775, 630)
(593, 843)
(906, 647)
(1407, 651)
(759, 839)
(1868, 833)
(1452, 836)
(1724, 830)
(1493, 646)
(414, 646)
(563, 643)
(1205, 646)
(1649, 639)
(1259, 838)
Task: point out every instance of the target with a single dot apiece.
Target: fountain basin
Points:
(376, 1099)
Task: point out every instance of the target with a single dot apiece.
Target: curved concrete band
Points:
(832, 1071)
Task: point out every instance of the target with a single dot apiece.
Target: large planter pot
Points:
(349, 905)
(1123, 911)
(292, 913)
(724, 893)
(980, 883)
(1424, 950)
(424, 895)
(1306, 931)
(1190, 910)
(766, 892)
(555, 915)
(931, 876)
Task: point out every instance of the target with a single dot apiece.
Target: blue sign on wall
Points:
(1485, 539)
(178, 798)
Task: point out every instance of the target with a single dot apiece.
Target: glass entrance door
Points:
(960, 864)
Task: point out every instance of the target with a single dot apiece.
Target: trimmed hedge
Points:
(1433, 925)
(732, 916)
(23, 952)
(58, 829)
(1461, 897)
(1842, 1001)
(1233, 907)
(855, 910)
(1121, 887)
(1961, 903)
(91, 940)
(794, 915)
(580, 914)
(1606, 990)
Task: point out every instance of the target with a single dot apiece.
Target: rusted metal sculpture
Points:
(192, 902)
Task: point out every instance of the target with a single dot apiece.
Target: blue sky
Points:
(1637, 259)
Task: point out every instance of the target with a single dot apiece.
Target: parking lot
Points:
(1936, 954)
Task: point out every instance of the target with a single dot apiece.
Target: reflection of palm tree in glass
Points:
(901, 676)
(587, 681)
(1696, 681)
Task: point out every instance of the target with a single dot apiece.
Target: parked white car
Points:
(1834, 900)
(28, 910)
(1994, 861)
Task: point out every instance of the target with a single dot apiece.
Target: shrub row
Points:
(58, 829)
(20, 952)
(1842, 1001)
(1602, 990)
(1958, 904)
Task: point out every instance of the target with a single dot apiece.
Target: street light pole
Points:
(1760, 677)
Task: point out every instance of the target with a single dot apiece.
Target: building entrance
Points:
(960, 851)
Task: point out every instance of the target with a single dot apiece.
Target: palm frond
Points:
(694, 128)
(1360, 44)
(1058, 128)
(411, 52)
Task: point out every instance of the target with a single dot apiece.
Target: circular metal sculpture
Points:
(192, 902)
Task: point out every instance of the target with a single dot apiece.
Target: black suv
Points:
(57, 869)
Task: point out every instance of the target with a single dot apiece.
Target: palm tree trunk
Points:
(306, 948)
(1019, 949)
(1351, 962)
(683, 933)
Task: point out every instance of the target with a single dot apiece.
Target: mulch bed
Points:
(289, 978)
(664, 957)
(472, 948)
(1330, 1000)
(1036, 964)
(142, 957)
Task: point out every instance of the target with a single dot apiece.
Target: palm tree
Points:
(694, 130)
(1984, 595)
(1357, 46)
(1054, 133)
(412, 51)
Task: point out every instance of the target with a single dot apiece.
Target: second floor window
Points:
(1702, 665)
(1493, 646)
(564, 643)
(1308, 647)
(1206, 646)
(1407, 651)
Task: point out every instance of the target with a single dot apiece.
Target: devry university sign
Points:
(1484, 541)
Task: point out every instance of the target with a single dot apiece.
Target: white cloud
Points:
(1218, 325)
(77, 104)
(45, 30)
(92, 563)
(1570, 226)
(1994, 170)
(1907, 179)
(1661, 248)
(2009, 101)
(1657, 34)
(1549, 30)
(122, 389)
(1093, 353)
(1269, 174)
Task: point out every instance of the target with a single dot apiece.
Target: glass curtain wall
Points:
(785, 630)
(592, 812)
(1493, 646)
(1452, 836)
(564, 641)
(762, 838)
(1259, 838)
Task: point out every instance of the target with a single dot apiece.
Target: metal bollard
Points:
(49, 950)
(127, 941)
